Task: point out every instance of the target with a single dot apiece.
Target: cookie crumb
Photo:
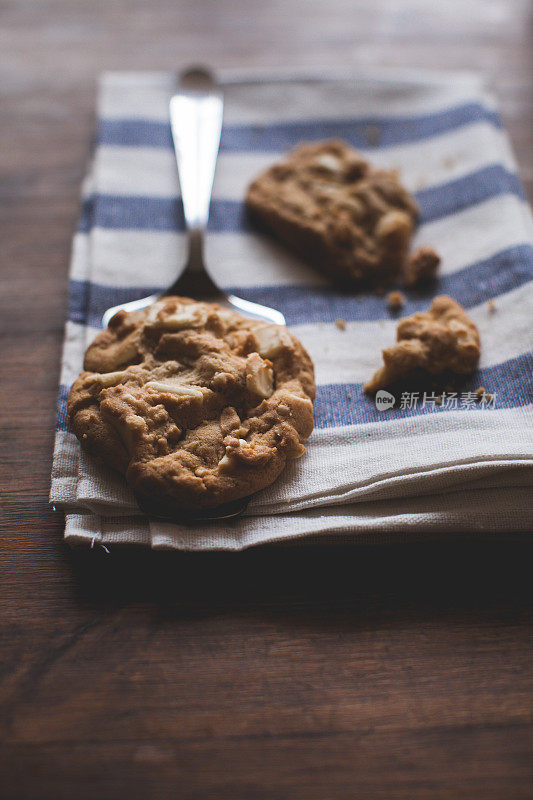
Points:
(373, 135)
(341, 324)
(491, 306)
(482, 394)
(395, 300)
(422, 266)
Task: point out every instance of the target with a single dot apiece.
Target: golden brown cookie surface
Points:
(327, 203)
(441, 340)
(194, 403)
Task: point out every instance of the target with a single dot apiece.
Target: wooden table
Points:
(374, 672)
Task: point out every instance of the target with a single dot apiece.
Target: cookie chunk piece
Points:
(421, 267)
(196, 405)
(395, 300)
(327, 203)
(440, 341)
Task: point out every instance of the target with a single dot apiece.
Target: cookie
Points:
(196, 405)
(440, 341)
(328, 204)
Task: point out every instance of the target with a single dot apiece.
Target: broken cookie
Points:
(440, 341)
(193, 403)
(326, 202)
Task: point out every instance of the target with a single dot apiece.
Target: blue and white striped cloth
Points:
(366, 473)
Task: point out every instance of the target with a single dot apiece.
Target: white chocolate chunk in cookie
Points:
(187, 315)
(397, 224)
(226, 463)
(175, 387)
(329, 163)
(259, 376)
(153, 311)
(226, 315)
(463, 333)
(298, 400)
(271, 339)
(108, 378)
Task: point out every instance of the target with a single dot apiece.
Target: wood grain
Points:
(376, 672)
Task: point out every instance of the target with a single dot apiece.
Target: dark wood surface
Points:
(374, 672)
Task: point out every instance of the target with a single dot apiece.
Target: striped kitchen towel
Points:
(417, 469)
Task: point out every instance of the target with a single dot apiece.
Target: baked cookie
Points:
(441, 341)
(327, 203)
(196, 405)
